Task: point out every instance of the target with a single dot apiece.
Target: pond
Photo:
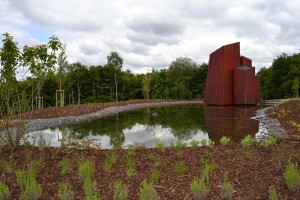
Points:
(141, 127)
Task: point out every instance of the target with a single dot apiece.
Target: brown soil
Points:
(250, 170)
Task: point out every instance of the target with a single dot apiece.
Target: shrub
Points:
(90, 190)
(4, 192)
(224, 140)
(65, 191)
(247, 141)
(86, 169)
(199, 188)
(147, 191)
(273, 194)
(110, 160)
(203, 142)
(154, 175)
(227, 189)
(292, 177)
(120, 190)
(268, 141)
(194, 143)
(33, 191)
(65, 165)
(161, 146)
(180, 144)
(6, 166)
(180, 168)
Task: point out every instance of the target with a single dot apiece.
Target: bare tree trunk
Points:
(78, 90)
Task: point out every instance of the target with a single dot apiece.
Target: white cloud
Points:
(151, 34)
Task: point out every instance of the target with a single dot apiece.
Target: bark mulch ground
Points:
(252, 171)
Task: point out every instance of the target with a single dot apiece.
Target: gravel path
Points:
(41, 124)
(267, 125)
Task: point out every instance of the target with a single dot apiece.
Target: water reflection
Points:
(186, 122)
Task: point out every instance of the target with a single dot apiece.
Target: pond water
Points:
(141, 127)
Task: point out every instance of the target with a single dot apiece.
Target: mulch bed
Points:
(250, 170)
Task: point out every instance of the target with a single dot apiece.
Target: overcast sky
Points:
(152, 33)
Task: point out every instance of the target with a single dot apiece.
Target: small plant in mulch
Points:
(147, 191)
(150, 156)
(268, 141)
(207, 170)
(194, 143)
(110, 160)
(161, 146)
(130, 166)
(180, 168)
(210, 143)
(160, 164)
(6, 166)
(224, 140)
(86, 169)
(292, 177)
(65, 191)
(180, 144)
(154, 175)
(120, 190)
(203, 142)
(4, 192)
(199, 188)
(65, 165)
(179, 152)
(247, 141)
(273, 195)
(33, 190)
(90, 190)
(226, 190)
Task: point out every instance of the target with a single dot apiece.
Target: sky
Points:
(152, 33)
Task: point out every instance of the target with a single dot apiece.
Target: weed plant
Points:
(33, 191)
(6, 166)
(210, 143)
(207, 170)
(35, 165)
(199, 188)
(86, 170)
(268, 141)
(273, 195)
(65, 166)
(194, 143)
(130, 166)
(65, 191)
(90, 190)
(154, 175)
(180, 168)
(224, 140)
(226, 189)
(161, 146)
(292, 177)
(120, 190)
(180, 144)
(147, 191)
(4, 192)
(203, 142)
(110, 160)
(247, 141)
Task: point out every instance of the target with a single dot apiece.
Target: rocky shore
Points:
(41, 124)
(267, 124)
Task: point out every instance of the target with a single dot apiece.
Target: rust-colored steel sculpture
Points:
(231, 78)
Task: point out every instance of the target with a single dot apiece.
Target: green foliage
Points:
(35, 165)
(161, 146)
(147, 191)
(120, 190)
(21, 178)
(203, 142)
(227, 189)
(180, 144)
(86, 169)
(150, 156)
(211, 143)
(160, 163)
(207, 170)
(154, 175)
(292, 177)
(247, 141)
(90, 190)
(130, 166)
(33, 191)
(273, 195)
(268, 141)
(110, 160)
(199, 188)
(180, 168)
(65, 191)
(4, 192)
(194, 143)
(5, 166)
(224, 140)
(65, 166)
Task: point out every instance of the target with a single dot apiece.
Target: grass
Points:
(6, 166)
(33, 190)
(110, 160)
(180, 144)
(199, 188)
(65, 191)
(268, 141)
(247, 141)
(154, 175)
(120, 190)
(147, 191)
(194, 143)
(226, 189)
(273, 195)
(86, 169)
(161, 146)
(292, 177)
(65, 165)
(90, 190)
(180, 168)
(130, 166)
(160, 164)
(150, 156)
(207, 170)
(4, 192)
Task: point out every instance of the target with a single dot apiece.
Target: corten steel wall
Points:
(219, 82)
(245, 61)
(245, 87)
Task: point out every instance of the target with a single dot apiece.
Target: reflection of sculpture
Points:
(230, 121)
(231, 78)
